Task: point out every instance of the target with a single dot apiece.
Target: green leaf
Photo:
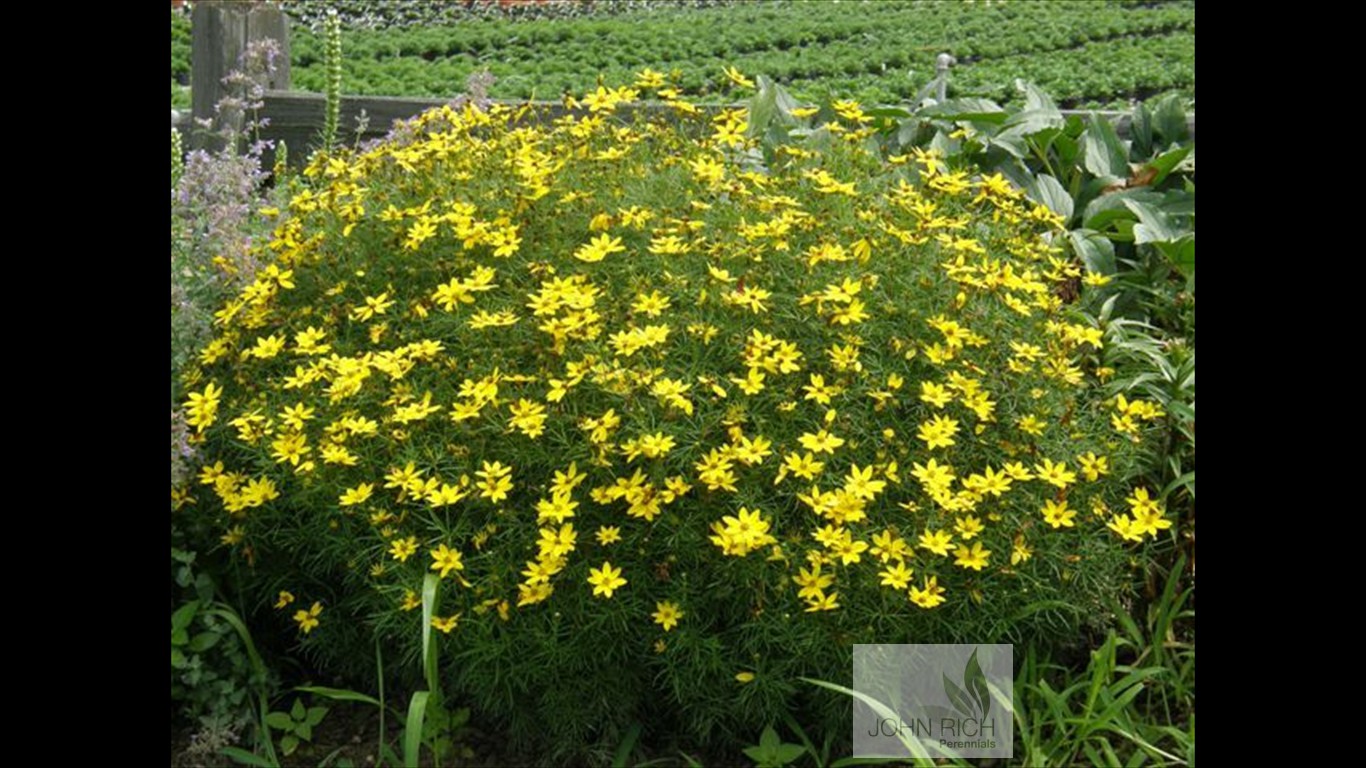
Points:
(1181, 254)
(769, 740)
(304, 731)
(971, 110)
(429, 594)
(1030, 122)
(914, 747)
(183, 616)
(246, 758)
(623, 754)
(1036, 98)
(757, 754)
(297, 711)
(338, 694)
(1164, 163)
(178, 659)
(1141, 131)
(412, 731)
(280, 721)
(179, 637)
(1105, 156)
(1154, 226)
(1094, 249)
(288, 744)
(315, 715)
(204, 641)
(1170, 120)
(1049, 192)
(1103, 210)
(787, 753)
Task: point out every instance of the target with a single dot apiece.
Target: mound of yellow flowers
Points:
(657, 411)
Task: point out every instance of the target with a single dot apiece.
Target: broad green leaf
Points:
(429, 595)
(1094, 249)
(1036, 98)
(1154, 226)
(1067, 149)
(1014, 145)
(1141, 132)
(787, 753)
(768, 741)
(1166, 162)
(896, 112)
(1101, 211)
(971, 110)
(1049, 192)
(1169, 119)
(1181, 254)
(204, 641)
(183, 615)
(280, 721)
(412, 731)
(1029, 122)
(289, 743)
(1105, 156)
(304, 731)
(315, 715)
(297, 711)
(177, 659)
(758, 754)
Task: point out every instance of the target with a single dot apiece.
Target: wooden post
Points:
(220, 32)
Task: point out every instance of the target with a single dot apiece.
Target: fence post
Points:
(941, 73)
(220, 32)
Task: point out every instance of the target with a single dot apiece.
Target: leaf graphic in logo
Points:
(975, 680)
(958, 697)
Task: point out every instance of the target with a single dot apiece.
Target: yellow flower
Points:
(608, 534)
(1058, 515)
(930, 595)
(445, 560)
(744, 677)
(667, 614)
(402, 549)
(975, 558)
(357, 495)
(605, 580)
(285, 599)
(308, 619)
(446, 624)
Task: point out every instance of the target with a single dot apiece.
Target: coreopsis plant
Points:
(664, 420)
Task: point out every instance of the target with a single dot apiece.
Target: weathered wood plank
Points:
(220, 33)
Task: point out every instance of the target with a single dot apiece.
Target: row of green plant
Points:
(406, 13)
(1086, 53)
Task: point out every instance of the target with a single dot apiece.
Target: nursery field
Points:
(1086, 54)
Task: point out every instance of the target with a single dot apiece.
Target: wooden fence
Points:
(222, 30)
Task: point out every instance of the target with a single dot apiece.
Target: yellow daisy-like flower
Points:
(667, 614)
(446, 624)
(605, 580)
